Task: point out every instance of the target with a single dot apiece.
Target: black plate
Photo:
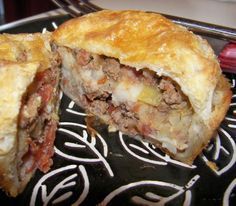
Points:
(113, 169)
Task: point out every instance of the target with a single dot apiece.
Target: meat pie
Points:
(145, 76)
(29, 77)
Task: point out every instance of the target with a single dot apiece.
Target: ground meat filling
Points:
(134, 101)
(170, 94)
(37, 124)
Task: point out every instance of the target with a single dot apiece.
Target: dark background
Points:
(18, 9)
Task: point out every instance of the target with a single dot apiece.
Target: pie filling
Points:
(37, 123)
(136, 102)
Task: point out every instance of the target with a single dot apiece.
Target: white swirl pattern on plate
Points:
(68, 182)
(157, 199)
(218, 149)
(156, 158)
(228, 192)
(85, 144)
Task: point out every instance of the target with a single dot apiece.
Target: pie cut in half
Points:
(144, 75)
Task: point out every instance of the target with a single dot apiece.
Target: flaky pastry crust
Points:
(14, 80)
(26, 48)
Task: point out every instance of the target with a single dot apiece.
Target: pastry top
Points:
(27, 48)
(14, 80)
(149, 40)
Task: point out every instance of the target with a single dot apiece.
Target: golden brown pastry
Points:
(29, 77)
(145, 76)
